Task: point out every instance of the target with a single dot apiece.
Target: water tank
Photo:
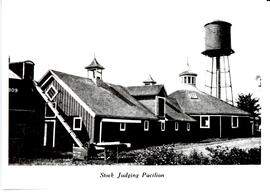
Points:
(217, 39)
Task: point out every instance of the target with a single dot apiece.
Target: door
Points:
(49, 134)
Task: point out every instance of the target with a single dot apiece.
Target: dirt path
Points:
(243, 143)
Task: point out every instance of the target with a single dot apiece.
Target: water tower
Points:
(218, 48)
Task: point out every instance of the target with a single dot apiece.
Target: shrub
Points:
(196, 158)
(218, 155)
(165, 155)
(160, 155)
(235, 156)
(255, 155)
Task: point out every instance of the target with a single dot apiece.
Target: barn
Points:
(86, 110)
(214, 117)
(65, 112)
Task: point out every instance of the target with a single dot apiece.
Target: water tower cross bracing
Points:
(218, 48)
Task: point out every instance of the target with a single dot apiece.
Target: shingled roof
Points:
(115, 101)
(151, 90)
(104, 99)
(94, 65)
(173, 111)
(194, 102)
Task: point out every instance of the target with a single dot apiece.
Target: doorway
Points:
(49, 134)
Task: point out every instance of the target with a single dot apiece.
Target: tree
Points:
(249, 104)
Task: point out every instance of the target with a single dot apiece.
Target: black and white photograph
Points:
(147, 95)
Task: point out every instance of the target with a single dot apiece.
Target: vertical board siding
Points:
(71, 107)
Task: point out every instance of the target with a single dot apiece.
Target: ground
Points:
(243, 143)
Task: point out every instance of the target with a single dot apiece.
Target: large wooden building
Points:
(61, 111)
(92, 111)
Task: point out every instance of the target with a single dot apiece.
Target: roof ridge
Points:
(156, 85)
(86, 78)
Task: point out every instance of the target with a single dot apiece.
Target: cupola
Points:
(188, 77)
(149, 81)
(94, 70)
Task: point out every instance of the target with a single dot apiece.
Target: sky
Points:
(133, 39)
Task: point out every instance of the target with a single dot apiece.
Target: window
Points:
(162, 125)
(234, 122)
(185, 79)
(77, 123)
(122, 126)
(192, 80)
(188, 127)
(189, 80)
(48, 112)
(146, 125)
(160, 106)
(205, 122)
(51, 92)
(193, 95)
(176, 126)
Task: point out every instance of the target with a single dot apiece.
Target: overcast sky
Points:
(132, 39)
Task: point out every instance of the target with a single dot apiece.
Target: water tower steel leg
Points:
(230, 78)
(225, 74)
(218, 77)
(212, 76)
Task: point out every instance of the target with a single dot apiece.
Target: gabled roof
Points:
(192, 101)
(115, 101)
(151, 90)
(94, 65)
(105, 99)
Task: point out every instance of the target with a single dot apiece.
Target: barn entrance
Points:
(49, 134)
